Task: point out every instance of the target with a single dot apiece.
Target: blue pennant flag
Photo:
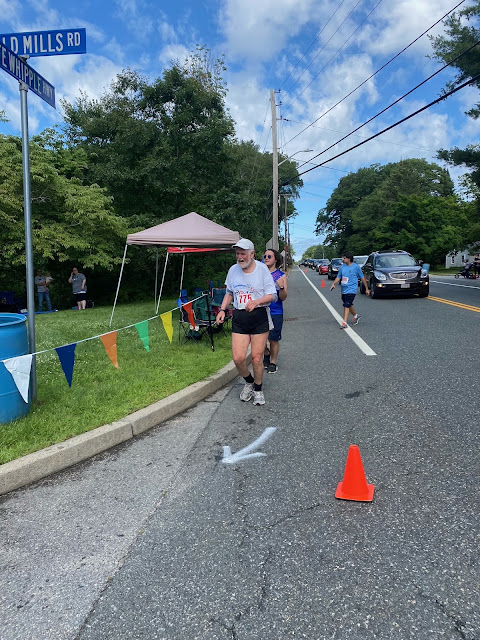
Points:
(66, 355)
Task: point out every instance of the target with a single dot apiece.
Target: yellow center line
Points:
(468, 307)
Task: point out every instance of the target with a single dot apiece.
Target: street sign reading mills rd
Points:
(46, 43)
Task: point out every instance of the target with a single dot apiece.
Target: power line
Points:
(394, 102)
(378, 70)
(398, 144)
(336, 52)
(311, 45)
(443, 97)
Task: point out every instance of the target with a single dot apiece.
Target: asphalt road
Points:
(158, 539)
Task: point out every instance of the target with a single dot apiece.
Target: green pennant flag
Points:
(142, 328)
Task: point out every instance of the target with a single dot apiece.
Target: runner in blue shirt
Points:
(348, 275)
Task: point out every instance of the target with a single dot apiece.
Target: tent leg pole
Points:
(183, 269)
(118, 286)
(210, 329)
(161, 286)
(156, 280)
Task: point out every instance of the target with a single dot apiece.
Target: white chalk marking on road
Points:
(244, 454)
(454, 284)
(361, 344)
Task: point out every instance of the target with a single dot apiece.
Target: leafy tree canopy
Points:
(405, 205)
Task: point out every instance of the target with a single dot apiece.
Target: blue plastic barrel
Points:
(13, 342)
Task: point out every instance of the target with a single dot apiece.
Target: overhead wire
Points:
(377, 71)
(398, 144)
(310, 46)
(394, 102)
(427, 106)
(336, 52)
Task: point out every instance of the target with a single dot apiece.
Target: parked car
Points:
(333, 268)
(322, 266)
(314, 264)
(360, 260)
(395, 272)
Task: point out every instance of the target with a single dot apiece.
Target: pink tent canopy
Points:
(191, 230)
(187, 234)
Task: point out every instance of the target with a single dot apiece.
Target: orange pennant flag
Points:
(166, 319)
(188, 309)
(110, 343)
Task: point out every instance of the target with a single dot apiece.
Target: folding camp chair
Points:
(204, 321)
(217, 299)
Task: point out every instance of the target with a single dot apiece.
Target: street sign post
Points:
(14, 49)
(46, 43)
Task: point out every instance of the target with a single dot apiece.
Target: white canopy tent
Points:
(190, 233)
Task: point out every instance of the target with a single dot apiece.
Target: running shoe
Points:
(247, 392)
(356, 319)
(343, 325)
(258, 397)
(272, 368)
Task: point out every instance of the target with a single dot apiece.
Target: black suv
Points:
(395, 272)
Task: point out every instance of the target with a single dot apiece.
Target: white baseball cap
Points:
(243, 243)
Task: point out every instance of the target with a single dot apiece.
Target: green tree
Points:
(70, 221)
(320, 251)
(406, 205)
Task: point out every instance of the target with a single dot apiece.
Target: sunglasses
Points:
(267, 257)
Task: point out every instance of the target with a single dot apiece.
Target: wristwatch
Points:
(281, 288)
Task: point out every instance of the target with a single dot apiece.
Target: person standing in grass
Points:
(79, 288)
(348, 275)
(251, 288)
(273, 259)
(42, 291)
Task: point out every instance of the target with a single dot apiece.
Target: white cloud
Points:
(135, 15)
(259, 30)
(395, 25)
(173, 52)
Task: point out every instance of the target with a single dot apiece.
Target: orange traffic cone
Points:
(323, 283)
(305, 271)
(354, 485)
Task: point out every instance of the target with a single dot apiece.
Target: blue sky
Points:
(315, 51)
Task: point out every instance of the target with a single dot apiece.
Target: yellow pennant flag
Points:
(167, 324)
(110, 343)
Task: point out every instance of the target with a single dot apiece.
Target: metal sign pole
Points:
(28, 237)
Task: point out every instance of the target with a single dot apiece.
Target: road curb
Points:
(35, 466)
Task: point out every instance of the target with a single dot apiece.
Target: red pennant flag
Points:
(188, 309)
(110, 343)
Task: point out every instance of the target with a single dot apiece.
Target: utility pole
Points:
(275, 171)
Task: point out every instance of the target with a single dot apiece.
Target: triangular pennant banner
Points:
(20, 367)
(166, 319)
(66, 355)
(110, 343)
(188, 309)
(142, 328)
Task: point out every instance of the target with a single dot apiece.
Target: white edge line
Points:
(361, 344)
(454, 284)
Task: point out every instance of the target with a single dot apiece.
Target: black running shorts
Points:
(250, 322)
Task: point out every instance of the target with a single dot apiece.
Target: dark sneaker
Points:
(356, 320)
(272, 368)
(266, 362)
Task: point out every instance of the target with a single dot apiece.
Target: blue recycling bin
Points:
(13, 342)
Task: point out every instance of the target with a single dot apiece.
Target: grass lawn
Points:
(100, 393)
